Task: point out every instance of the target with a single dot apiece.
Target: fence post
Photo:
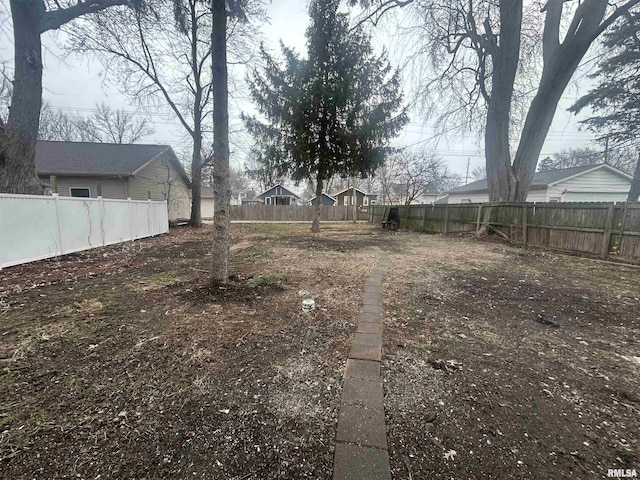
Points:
(424, 218)
(608, 226)
(130, 219)
(149, 217)
(102, 215)
(479, 217)
(446, 219)
(525, 215)
(55, 197)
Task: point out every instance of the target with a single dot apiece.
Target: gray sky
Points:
(76, 85)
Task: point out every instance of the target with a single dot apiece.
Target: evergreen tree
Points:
(616, 99)
(332, 113)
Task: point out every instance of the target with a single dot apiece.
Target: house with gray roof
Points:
(279, 195)
(119, 171)
(589, 183)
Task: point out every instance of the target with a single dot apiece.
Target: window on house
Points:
(346, 201)
(268, 201)
(365, 201)
(554, 199)
(278, 191)
(83, 192)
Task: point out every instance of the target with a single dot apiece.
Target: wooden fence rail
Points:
(603, 229)
(294, 213)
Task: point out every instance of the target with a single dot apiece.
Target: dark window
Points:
(80, 192)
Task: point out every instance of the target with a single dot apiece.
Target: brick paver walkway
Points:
(361, 439)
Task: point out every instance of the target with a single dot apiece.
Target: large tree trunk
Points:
(555, 78)
(196, 182)
(317, 210)
(560, 63)
(221, 184)
(18, 143)
(505, 63)
(634, 190)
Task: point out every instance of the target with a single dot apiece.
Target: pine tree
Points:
(616, 99)
(332, 113)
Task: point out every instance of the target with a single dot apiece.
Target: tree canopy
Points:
(331, 113)
(616, 98)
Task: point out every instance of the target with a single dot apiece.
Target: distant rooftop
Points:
(540, 179)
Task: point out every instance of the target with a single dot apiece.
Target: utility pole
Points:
(466, 180)
(606, 149)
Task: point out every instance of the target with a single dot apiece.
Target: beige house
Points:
(120, 171)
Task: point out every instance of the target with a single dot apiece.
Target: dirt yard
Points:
(498, 363)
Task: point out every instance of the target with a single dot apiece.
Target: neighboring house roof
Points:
(281, 186)
(546, 178)
(324, 195)
(99, 159)
(335, 194)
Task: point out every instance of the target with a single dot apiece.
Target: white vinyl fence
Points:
(33, 227)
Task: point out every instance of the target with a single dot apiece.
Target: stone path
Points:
(361, 440)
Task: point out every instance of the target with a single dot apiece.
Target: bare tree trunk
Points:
(196, 181)
(555, 78)
(18, 143)
(221, 184)
(505, 64)
(317, 210)
(634, 190)
(512, 183)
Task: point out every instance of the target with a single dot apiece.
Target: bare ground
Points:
(504, 363)
(122, 363)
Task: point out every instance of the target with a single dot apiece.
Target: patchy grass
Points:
(123, 362)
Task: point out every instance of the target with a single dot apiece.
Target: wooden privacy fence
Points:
(294, 213)
(602, 229)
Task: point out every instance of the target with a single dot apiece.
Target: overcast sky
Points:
(76, 85)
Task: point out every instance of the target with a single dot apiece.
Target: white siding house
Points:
(591, 183)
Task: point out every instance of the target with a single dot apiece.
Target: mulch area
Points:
(121, 362)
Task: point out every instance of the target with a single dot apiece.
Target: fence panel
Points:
(294, 213)
(117, 222)
(79, 224)
(34, 227)
(602, 229)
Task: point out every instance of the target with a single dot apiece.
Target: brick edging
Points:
(361, 439)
